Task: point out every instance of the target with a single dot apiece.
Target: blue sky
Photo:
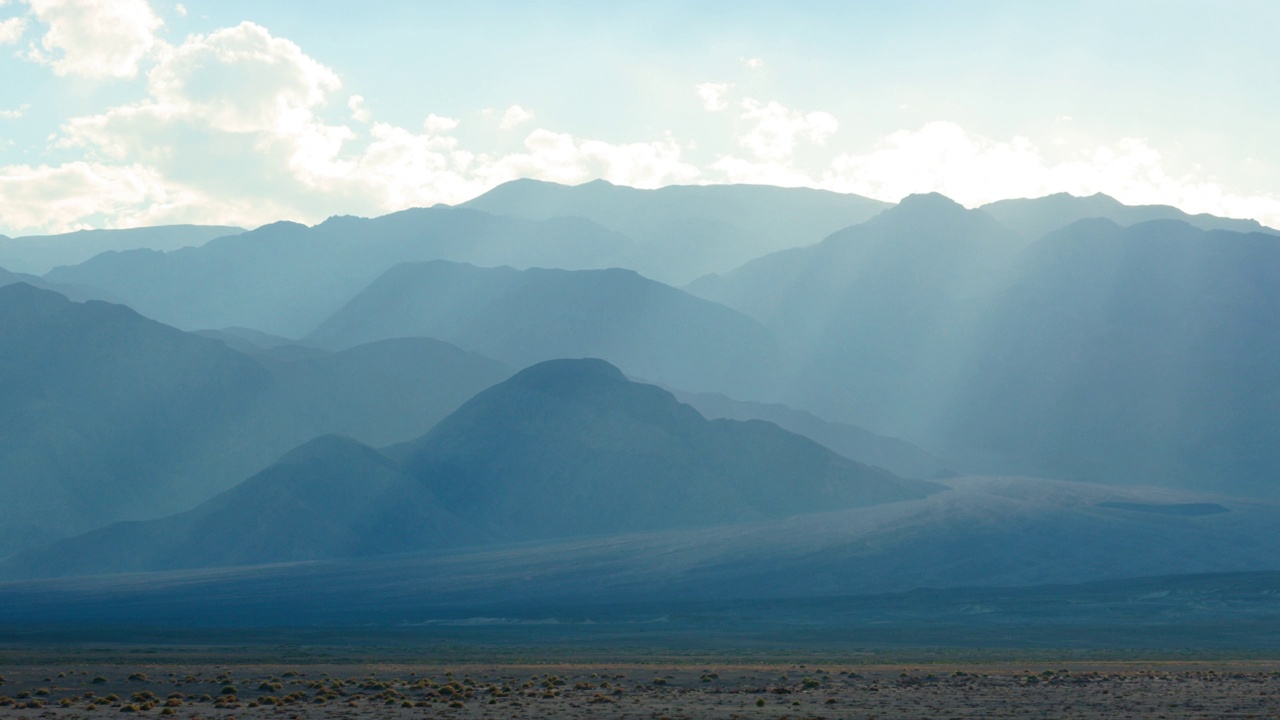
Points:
(119, 113)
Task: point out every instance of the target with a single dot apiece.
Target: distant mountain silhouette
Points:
(684, 231)
(284, 278)
(897, 456)
(650, 330)
(79, 293)
(879, 315)
(1148, 354)
(1036, 217)
(564, 448)
(38, 254)
(106, 415)
(571, 447)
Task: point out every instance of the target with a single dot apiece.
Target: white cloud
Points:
(438, 124)
(560, 157)
(973, 170)
(775, 129)
(713, 95)
(754, 63)
(94, 38)
(359, 112)
(63, 198)
(180, 9)
(242, 79)
(11, 30)
(514, 117)
(15, 113)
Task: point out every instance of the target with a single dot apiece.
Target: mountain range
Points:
(605, 402)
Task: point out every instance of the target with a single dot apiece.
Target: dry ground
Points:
(182, 690)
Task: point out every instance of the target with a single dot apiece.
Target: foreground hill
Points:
(684, 231)
(285, 278)
(564, 448)
(650, 330)
(970, 553)
(329, 498)
(1147, 354)
(38, 254)
(106, 415)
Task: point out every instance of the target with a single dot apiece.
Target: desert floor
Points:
(93, 684)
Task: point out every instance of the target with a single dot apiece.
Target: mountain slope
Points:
(1147, 354)
(820, 571)
(102, 408)
(1036, 217)
(78, 293)
(684, 231)
(880, 315)
(897, 456)
(285, 278)
(331, 497)
(570, 447)
(564, 448)
(106, 415)
(38, 254)
(650, 330)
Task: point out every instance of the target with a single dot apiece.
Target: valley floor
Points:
(197, 684)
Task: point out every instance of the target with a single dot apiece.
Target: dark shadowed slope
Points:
(565, 448)
(1148, 354)
(650, 330)
(571, 447)
(38, 254)
(285, 278)
(106, 415)
(1036, 217)
(330, 498)
(994, 533)
(893, 454)
(684, 231)
(102, 409)
(881, 314)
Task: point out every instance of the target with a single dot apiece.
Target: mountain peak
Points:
(932, 201)
(564, 374)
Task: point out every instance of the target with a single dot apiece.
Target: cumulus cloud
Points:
(771, 134)
(233, 128)
(359, 112)
(11, 30)
(713, 95)
(63, 198)
(94, 38)
(752, 62)
(775, 130)
(514, 117)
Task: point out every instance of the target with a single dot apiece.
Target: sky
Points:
(125, 113)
